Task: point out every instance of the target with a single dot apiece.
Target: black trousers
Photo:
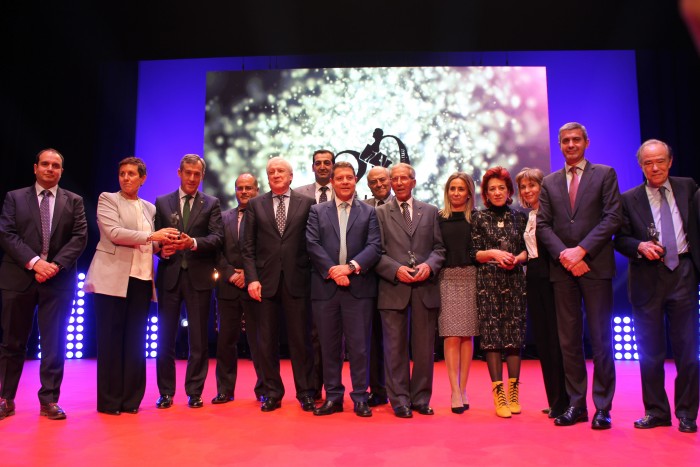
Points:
(52, 308)
(121, 341)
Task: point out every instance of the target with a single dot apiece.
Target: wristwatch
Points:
(352, 267)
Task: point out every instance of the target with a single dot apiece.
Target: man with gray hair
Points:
(186, 274)
(277, 273)
(663, 284)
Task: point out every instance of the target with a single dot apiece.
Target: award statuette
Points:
(654, 237)
(412, 262)
(175, 223)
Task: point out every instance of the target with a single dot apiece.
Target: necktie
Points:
(186, 211)
(324, 197)
(241, 212)
(668, 232)
(380, 202)
(407, 216)
(45, 212)
(343, 221)
(573, 186)
(280, 215)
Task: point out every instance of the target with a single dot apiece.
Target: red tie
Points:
(573, 186)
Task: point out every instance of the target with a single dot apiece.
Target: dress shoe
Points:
(131, 411)
(7, 408)
(260, 397)
(423, 409)
(52, 411)
(271, 404)
(554, 413)
(110, 412)
(221, 399)
(195, 402)
(374, 400)
(687, 425)
(650, 421)
(328, 408)
(547, 411)
(571, 416)
(601, 420)
(362, 409)
(164, 402)
(307, 403)
(403, 411)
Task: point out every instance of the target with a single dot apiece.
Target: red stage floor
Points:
(239, 434)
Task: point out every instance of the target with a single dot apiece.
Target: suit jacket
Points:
(596, 216)
(373, 201)
(110, 267)
(643, 274)
(425, 242)
(266, 254)
(20, 238)
(363, 243)
(230, 258)
(204, 226)
(310, 191)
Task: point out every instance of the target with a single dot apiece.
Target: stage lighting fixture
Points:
(624, 340)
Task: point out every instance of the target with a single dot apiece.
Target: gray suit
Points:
(596, 216)
(400, 303)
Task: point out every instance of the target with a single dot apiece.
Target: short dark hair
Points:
(192, 159)
(322, 151)
(138, 162)
(343, 165)
(38, 154)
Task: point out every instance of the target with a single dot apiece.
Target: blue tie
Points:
(668, 232)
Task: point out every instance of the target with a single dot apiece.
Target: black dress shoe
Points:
(307, 403)
(554, 413)
(601, 420)
(195, 402)
(403, 411)
(131, 411)
(571, 416)
(362, 409)
(164, 402)
(221, 399)
(260, 397)
(423, 409)
(7, 408)
(650, 421)
(374, 400)
(52, 411)
(328, 408)
(687, 425)
(110, 412)
(271, 404)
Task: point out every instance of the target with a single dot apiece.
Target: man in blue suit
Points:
(663, 285)
(344, 243)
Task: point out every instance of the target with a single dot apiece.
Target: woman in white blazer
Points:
(121, 279)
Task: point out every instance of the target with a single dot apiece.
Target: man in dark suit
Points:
(663, 283)
(43, 231)
(379, 183)
(232, 297)
(321, 164)
(579, 213)
(412, 255)
(277, 273)
(344, 244)
(186, 273)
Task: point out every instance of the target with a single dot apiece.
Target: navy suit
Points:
(596, 216)
(656, 293)
(343, 311)
(20, 238)
(192, 284)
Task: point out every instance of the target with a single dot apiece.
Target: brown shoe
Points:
(52, 411)
(7, 408)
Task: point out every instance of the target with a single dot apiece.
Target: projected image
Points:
(439, 119)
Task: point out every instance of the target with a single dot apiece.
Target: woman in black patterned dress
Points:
(499, 252)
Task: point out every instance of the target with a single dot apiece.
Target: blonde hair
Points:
(446, 212)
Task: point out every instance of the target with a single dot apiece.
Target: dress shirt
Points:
(529, 235)
(655, 203)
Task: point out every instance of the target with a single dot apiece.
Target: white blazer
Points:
(110, 267)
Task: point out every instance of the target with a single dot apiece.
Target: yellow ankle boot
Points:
(513, 399)
(499, 399)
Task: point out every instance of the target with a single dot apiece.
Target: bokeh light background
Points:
(449, 118)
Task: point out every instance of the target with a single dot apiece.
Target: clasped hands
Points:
(572, 260)
(172, 240)
(418, 274)
(43, 270)
(339, 274)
